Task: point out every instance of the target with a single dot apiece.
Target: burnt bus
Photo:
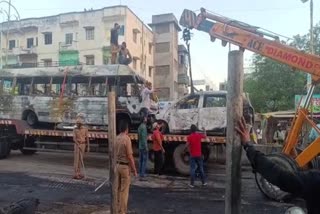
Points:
(55, 95)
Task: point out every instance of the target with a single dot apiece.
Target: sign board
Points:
(199, 82)
(314, 104)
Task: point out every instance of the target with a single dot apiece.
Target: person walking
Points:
(158, 149)
(81, 141)
(196, 159)
(125, 162)
(301, 183)
(143, 148)
(114, 42)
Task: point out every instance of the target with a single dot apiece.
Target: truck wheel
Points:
(269, 190)
(32, 118)
(30, 143)
(5, 147)
(181, 160)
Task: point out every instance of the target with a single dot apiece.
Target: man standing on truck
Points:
(158, 149)
(125, 57)
(143, 148)
(145, 99)
(196, 160)
(114, 42)
(81, 141)
(125, 161)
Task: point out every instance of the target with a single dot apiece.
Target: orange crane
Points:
(258, 41)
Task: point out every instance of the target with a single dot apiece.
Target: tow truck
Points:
(252, 38)
(18, 135)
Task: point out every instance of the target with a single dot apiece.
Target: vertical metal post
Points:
(190, 69)
(112, 153)
(8, 28)
(309, 77)
(233, 145)
(1, 40)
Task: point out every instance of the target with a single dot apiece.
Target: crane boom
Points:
(251, 38)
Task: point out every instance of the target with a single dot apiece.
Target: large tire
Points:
(271, 191)
(30, 143)
(5, 147)
(181, 160)
(32, 118)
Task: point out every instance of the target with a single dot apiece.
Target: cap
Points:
(278, 124)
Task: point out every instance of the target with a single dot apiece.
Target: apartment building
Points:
(166, 28)
(183, 78)
(76, 37)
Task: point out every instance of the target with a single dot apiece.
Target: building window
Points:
(29, 42)
(47, 62)
(69, 38)
(90, 60)
(163, 69)
(90, 33)
(12, 44)
(134, 64)
(150, 71)
(36, 41)
(150, 48)
(48, 38)
(162, 47)
(162, 28)
(135, 36)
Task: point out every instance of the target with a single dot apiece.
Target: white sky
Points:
(209, 60)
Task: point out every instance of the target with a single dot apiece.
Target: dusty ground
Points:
(47, 176)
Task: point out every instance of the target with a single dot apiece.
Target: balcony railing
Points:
(183, 79)
(44, 64)
(68, 47)
(21, 51)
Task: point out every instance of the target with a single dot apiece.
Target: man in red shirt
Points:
(158, 149)
(196, 160)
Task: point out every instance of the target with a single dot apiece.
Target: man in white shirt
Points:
(259, 134)
(146, 101)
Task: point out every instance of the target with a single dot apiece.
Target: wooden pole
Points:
(233, 146)
(112, 153)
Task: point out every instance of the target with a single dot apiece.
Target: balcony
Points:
(183, 79)
(22, 51)
(63, 47)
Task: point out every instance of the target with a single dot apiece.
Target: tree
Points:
(272, 85)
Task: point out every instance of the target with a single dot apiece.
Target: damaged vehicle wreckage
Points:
(39, 110)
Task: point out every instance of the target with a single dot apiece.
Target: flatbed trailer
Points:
(18, 135)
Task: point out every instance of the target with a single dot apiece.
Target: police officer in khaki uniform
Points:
(81, 141)
(125, 162)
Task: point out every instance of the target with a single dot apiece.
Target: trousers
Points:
(78, 157)
(123, 181)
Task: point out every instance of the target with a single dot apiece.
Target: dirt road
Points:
(48, 176)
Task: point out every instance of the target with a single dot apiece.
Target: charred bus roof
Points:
(75, 71)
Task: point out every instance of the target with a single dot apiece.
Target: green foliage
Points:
(272, 85)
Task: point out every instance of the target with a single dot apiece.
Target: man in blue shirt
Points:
(143, 148)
